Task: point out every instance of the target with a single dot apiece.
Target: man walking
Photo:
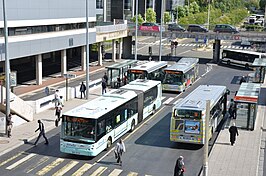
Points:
(58, 111)
(233, 132)
(9, 123)
(119, 149)
(42, 133)
(82, 90)
(106, 78)
(103, 86)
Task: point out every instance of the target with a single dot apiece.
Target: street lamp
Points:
(208, 27)
(87, 52)
(7, 64)
(136, 30)
(161, 32)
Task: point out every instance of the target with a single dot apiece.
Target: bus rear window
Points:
(184, 113)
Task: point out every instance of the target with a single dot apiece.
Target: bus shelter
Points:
(118, 70)
(246, 105)
(258, 65)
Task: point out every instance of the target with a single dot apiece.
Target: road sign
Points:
(13, 79)
(68, 75)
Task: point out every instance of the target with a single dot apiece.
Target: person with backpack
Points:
(119, 150)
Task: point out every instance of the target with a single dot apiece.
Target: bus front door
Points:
(140, 107)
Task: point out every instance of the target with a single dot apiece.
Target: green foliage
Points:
(194, 8)
(252, 4)
(140, 19)
(150, 15)
(262, 4)
(166, 17)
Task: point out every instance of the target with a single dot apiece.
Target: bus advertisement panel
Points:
(188, 116)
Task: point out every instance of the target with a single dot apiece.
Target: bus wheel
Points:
(109, 143)
(132, 125)
(246, 66)
(228, 62)
(153, 109)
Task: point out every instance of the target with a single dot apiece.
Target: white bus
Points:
(188, 116)
(152, 70)
(241, 57)
(92, 127)
(179, 76)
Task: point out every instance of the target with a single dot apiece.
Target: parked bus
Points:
(188, 116)
(180, 75)
(152, 70)
(242, 57)
(92, 127)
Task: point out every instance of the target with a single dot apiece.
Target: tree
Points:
(150, 15)
(166, 17)
(194, 8)
(140, 19)
(262, 4)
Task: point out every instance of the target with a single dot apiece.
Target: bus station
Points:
(246, 105)
(258, 65)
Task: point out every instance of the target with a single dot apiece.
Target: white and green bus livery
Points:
(92, 127)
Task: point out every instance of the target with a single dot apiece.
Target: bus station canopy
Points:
(248, 93)
(259, 62)
(122, 64)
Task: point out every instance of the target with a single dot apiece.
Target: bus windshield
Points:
(175, 79)
(78, 129)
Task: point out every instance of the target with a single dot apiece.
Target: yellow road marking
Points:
(40, 162)
(50, 166)
(82, 170)
(10, 159)
(66, 168)
(132, 174)
(99, 171)
(115, 172)
(21, 161)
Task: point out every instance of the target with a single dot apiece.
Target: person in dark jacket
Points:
(42, 133)
(106, 78)
(82, 90)
(233, 132)
(179, 167)
(9, 123)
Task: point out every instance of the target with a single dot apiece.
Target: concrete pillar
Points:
(113, 50)
(216, 51)
(63, 62)
(83, 58)
(104, 11)
(100, 54)
(38, 62)
(127, 47)
(120, 46)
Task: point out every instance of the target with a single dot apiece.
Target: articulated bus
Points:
(180, 75)
(241, 57)
(93, 127)
(152, 70)
(188, 116)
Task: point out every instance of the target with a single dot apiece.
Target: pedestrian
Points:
(106, 78)
(47, 91)
(119, 149)
(58, 111)
(125, 79)
(118, 82)
(231, 108)
(103, 86)
(243, 79)
(233, 132)
(56, 97)
(61, 101)
(179, 166)
(82, 90)
(9, 124)
(42, 133)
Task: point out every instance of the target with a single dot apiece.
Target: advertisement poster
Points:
(2, 123)
(192, 127)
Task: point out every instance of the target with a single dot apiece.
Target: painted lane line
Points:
(50, 166)
(99, 171)
(82, 170)
(132, 174)
(177, 101)
(66, 168)
(168, 100)
(163, 98)
(40, 162)
(10, 159)
(21, 161)
(115, 172)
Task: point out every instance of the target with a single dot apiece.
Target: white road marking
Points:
(132, 174)
(66, 168)
(168, 100)
(50, 166)
(21, 161)
(10, 159)
(115, 172)
(82, 170)
(99, 171)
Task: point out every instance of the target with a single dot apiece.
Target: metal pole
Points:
(206, 140)
(87, 52)
(136, 30)
(66, 88)
(7, 65)
(161, 32)
(208, 27)
(104, 11)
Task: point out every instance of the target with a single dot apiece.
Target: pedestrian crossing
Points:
(198, 45)
(45, 165)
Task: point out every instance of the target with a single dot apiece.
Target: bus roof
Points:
(183, 64)
(122, 64)
(150, 66)
(196, 100)
(245, 51)
(103, 104)
(141, 85)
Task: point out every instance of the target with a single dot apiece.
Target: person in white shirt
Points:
(119, 149)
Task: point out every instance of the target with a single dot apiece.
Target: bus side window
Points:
(101, 127)
(109, 125)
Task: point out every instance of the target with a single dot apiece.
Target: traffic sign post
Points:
(68, 76)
